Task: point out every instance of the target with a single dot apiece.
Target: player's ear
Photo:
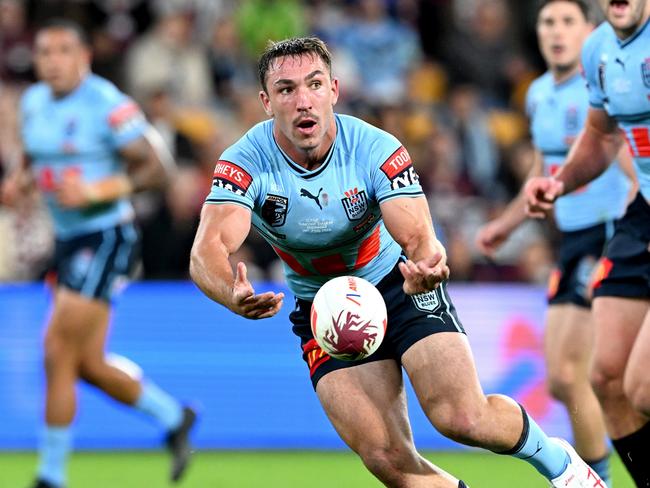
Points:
(335, 90)
(266, 103)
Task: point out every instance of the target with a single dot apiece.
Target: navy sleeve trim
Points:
(228, 200)
(400, 194)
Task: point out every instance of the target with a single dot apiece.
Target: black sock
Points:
(461, 484)
(633, 450)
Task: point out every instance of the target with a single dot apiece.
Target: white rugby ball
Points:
(348, 318)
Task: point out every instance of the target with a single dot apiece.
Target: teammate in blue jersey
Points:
(616, 61)
(557, 105)
(89, 148)
(336, 196)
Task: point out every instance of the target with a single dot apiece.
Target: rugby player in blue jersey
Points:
(616, 61)
(336, 196)
(557, 104)
(89, 148)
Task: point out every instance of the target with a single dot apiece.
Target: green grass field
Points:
(268, 469)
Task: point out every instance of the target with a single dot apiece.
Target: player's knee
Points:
(562, 384)
(56, 351)
(606, 380)
(92, 372)
(459, 424)
(389, 464)
(637, 391)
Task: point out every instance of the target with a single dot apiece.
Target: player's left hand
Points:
(71, 191)
(424, 275)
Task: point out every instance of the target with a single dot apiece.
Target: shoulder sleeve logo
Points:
(125, 116)
(231, 177)
(399, 170)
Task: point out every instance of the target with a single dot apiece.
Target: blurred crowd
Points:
(447, 77)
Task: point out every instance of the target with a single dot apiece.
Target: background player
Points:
(616, 61)
(80, 133)
(369, 210)
(557, 104)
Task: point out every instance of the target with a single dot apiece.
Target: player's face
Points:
(300, 96)
(561, 30)
(61, 59)
(625, 15)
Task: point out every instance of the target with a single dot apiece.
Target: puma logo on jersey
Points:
(307, 194)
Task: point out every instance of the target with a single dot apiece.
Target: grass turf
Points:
(268, 469)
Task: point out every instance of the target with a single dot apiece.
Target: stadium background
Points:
(446, 77)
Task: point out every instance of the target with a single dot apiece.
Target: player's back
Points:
(81, 133)
(618, 73)
(557, 114)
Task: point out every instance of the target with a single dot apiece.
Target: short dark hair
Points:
(296, 46)
(60, 23)
(583, 5)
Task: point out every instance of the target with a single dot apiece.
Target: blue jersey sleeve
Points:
(392, 172)
(593, 70)
(234, 179)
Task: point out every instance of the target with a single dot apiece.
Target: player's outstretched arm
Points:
(491, 236)
(221, 232)
(409, 222)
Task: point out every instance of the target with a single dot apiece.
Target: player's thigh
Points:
(568, 337)
(443, 374)
(367, 405)
(618, 321)
(72, 323)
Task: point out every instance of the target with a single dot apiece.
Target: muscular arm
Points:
(221, 232)
(592, 153)
(409, 222)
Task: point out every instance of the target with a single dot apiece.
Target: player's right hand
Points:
(490, 237)
(540, 193)
(247, 304)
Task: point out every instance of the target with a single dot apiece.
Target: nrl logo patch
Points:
(427, 302)
(274, 210)
(355, 203)
(645, 72)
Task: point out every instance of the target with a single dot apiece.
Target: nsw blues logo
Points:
(645, 72)
(355, 203)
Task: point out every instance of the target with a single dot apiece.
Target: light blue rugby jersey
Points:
(618, 73)
(557, 113)
(326, 222)
(81, 132)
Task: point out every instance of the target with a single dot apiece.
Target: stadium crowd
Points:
(447, 77)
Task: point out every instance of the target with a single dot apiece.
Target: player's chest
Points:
(55, 131)
(312, 212)
(624, 77)
(557, 119)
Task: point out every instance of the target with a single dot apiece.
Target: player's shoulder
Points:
(540, 84)
(601, 36)
(255, 146)
(35, 94)
(102, 90)
(359, 135)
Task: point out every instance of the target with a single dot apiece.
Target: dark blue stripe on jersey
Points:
(228, 200)
(599, 106)
(555, 153)
(400, 194)
(632, 117)
(627, 41)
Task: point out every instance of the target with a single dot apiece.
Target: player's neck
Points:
(58, 94)
(625, 34)
(564, 73)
